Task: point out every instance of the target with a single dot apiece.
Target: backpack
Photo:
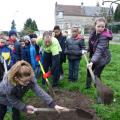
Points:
(2, 70)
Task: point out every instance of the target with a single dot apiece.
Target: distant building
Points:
(67, 16)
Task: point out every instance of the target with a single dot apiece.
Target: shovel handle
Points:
(47, 81)
(52, 110)
(44, 110)
(81, 112)
(90, 69)
(44, 73)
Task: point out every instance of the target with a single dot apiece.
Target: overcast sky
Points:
(42, 11)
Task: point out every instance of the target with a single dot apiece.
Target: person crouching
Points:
(16, 82)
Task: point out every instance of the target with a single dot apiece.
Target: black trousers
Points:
(47, 63)
(3, 110)
(97, 69)
(61, 68)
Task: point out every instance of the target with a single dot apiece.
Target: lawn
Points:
(110, 76)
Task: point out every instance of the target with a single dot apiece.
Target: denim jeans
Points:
(73, 69)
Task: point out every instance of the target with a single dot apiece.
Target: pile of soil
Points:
(67, 99)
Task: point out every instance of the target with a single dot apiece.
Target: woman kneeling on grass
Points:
(15, 84)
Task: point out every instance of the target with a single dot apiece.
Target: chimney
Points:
(56, 4)
(82, 4)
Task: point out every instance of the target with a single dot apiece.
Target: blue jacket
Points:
(17, 52)
(33, 56)
(25, 54)
(7, 54)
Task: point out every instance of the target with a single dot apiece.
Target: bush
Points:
(114, 28)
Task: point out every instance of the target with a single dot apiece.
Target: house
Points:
(67, 16)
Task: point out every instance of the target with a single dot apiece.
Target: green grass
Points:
(110, 76)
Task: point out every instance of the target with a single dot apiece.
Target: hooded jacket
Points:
(99, 46)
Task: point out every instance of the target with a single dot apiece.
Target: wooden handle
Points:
(45, 110)
(89, 68)
(52, 110)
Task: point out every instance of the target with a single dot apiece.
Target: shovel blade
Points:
(104, 92)
(83, 113)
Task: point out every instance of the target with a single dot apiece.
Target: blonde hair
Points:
(22, 71)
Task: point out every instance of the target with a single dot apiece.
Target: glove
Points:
(84, 52)
(37, 58)
(46, 75)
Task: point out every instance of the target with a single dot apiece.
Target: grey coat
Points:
(74, 48)
(11, 95)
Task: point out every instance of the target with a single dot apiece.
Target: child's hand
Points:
(89, 65)
(30, 109)
(84, 52)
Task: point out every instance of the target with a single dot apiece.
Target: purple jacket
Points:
(99, 46)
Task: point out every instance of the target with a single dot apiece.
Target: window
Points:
(60, 15)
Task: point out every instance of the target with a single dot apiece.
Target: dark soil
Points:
(67, 99)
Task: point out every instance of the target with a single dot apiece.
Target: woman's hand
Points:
(59, 109)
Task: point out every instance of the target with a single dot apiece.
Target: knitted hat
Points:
(12, 32)
(26, 38)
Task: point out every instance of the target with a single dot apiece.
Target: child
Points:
(15, 84)
(27, 46)
(34, 52)
(6, 53)
(25, 51)
(74, 47)
(100, 55)
(34, 62)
